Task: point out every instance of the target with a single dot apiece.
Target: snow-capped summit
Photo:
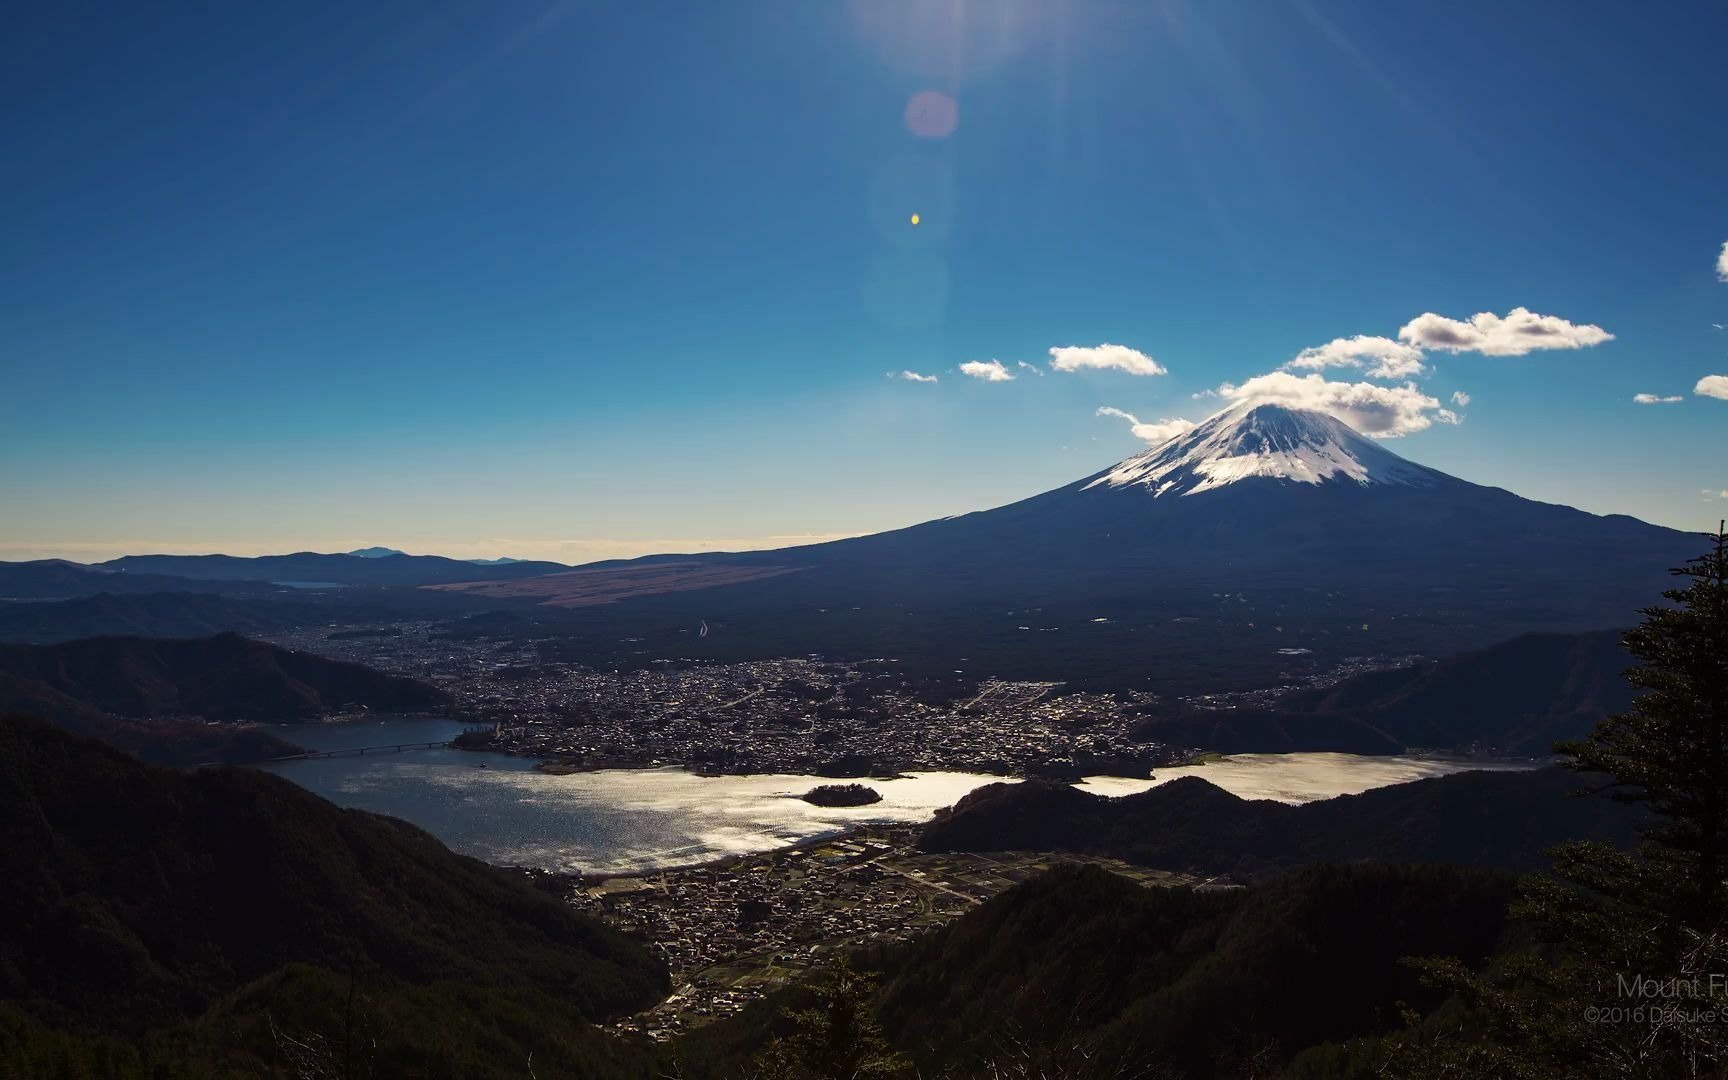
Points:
(1270, 442)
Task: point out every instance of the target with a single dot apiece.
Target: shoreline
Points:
(553, 765)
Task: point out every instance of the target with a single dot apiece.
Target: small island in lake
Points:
(841, 795)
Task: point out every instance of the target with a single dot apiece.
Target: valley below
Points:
(736, 881)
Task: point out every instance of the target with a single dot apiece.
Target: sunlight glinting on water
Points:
(621, 820)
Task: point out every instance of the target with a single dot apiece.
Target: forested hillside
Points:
(141, 899)
(1504, 820)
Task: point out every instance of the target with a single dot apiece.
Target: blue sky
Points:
(579, 280)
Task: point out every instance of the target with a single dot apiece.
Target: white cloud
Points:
(1460, 398)
(1652, 399)
(1391, 359)
(1722, 263)
(1105, 358)
(1033, 368)
(1167, 428)
(1519, 332)
(1384, 412)
(1715, 386)
(911, 376)
(988, 370)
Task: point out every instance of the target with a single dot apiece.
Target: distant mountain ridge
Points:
(58, 579)
(376, 566)
(224, 677)
(180, 614)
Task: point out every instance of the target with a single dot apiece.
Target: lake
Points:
(643, 819)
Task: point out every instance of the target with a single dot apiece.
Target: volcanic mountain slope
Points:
(1268, 442)
(225, 677)
(1261, 529)
(1258, 496)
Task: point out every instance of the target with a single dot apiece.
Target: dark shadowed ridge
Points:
(137, 897)
(223, 677)
(1501, 820)
(1086, 967)
(1515, 698)
(56, 578)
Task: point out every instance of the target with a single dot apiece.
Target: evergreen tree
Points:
(838, 1037)
(1632, 977)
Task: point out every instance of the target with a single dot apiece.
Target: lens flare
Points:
(931, 114)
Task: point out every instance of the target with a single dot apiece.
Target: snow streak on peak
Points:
(1265, 441)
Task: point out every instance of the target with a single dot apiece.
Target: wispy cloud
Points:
(1104, 358)
(1154, 433)
(1715, 386)
(1518, 332)
(1033, 368)
(987, 370)
(911, 376)
(1383, 357)
(1384, 412)
(1460, 398)
(1722, 263)
(1652, 399)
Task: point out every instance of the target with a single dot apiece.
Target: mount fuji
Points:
(1262, 534)
(1266, 442)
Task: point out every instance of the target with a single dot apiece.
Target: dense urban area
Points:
(734, 931)
(786, 715)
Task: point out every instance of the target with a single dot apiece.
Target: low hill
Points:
(1082, 972)
(223, 677)
(141, 899)
(196, 614)
(392, 568)
(176, 614)
(56, 578)
(1516, 697)
(1502, 820)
